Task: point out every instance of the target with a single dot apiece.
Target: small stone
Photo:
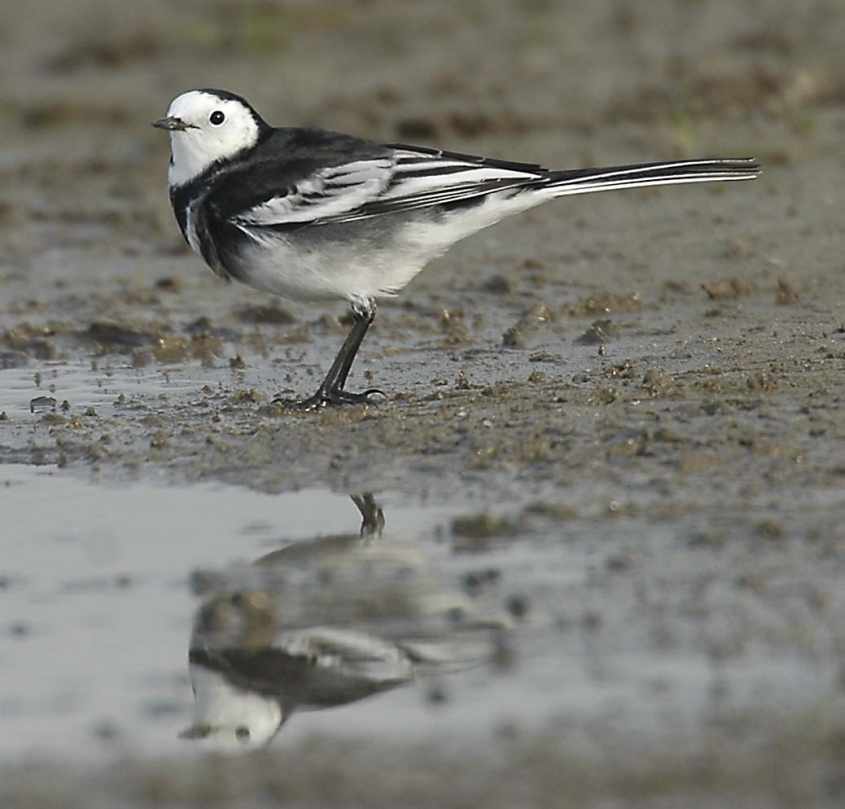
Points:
(770, 529)
(461, 381)
(453, 325)
(168, 284)
(786, 294)
(42, 403)
(497, 285)
(727, 288)
(600, 332)
(170, 348)
(518, 606)
(528, 326)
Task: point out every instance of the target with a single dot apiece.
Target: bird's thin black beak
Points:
(172, 123)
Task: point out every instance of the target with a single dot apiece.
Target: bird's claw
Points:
(329, 398)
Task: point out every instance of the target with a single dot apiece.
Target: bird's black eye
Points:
(216, 118)
(242, 733)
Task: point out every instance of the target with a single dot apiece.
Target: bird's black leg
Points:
(331, 390)
(364, 314)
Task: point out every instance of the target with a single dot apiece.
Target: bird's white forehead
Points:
(198, 102)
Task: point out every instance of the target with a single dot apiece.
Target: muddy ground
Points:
(652, 380)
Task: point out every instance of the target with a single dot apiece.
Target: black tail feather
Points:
(582, 181)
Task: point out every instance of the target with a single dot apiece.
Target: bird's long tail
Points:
(585, 181)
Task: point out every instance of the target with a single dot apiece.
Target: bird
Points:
(319, 216)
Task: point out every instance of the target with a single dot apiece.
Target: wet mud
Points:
(617, 419)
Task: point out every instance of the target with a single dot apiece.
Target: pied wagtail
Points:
(314, 215)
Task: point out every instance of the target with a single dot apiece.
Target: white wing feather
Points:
(325, 194)
(404, 180)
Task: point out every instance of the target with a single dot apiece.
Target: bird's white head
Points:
(207, 126)
(230, 719)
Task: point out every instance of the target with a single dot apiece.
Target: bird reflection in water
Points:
(324, 623)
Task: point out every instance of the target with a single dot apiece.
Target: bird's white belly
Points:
(331, 271)
(354, 268)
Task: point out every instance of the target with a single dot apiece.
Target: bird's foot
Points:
(329, 398)
(342, 397)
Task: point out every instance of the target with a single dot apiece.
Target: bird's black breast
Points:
(180, 198)
(216, 239)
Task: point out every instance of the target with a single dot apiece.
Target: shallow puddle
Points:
(97, 608)
(83, 384)
(96, 604)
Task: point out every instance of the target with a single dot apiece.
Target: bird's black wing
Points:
(297, 176)
(300, 177)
